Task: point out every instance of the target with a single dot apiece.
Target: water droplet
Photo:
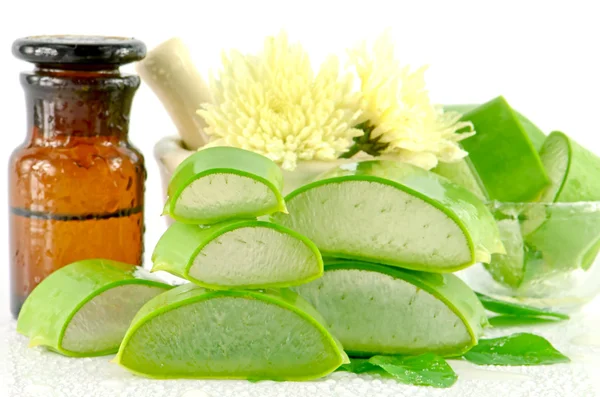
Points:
(590, 340)
(113, 384)
(470, 371)
(40, 390)
(194, 393)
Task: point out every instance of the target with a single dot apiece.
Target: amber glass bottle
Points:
(76, 183)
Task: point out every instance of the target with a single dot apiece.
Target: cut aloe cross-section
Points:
(503, 154)
(222, 183)
(393, 213)
(574, 171)
(85, 308)
(192, 332)
(238, 254)
(374, 309)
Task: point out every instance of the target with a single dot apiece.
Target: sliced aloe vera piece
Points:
(517, 310)
(192, 332)
(574, 171)
(568, 238)
(222, 183)
(551, 241)
(374, 309)
(508, 267)
(85, 308)
(503, 154)
(393, 213)
(520, 264)
(536, 135)
(238, 254)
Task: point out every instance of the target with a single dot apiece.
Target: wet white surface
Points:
(26, 372)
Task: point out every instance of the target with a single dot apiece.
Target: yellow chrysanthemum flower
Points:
(401, 122)
(273, 104)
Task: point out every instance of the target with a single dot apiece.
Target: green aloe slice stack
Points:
(395, 214)
(222, 183)
(85, 308)
(192, 332)
(375, 309)
(238, 254)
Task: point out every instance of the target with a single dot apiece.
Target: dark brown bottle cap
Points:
(82, 50)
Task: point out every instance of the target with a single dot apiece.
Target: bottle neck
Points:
(63, 104)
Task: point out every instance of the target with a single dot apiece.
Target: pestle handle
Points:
(171, 74)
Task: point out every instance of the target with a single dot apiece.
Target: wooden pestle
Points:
(170, 73)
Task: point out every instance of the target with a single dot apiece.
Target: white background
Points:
(542, 56)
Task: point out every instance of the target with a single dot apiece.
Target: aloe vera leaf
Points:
(574, 171)
(568, 237)
(463, 172)
(557, 238)
(192, 332)
(73, 311)
(238, 254)
(551, 240)
(509, 268)
(535, 134)
(361, 366)
(515, 309)
(221, 183)
(375, 309)
(422, 370)
(516, 349)
(393, 213)
(508, 320)
(521, 264)
(503, 154)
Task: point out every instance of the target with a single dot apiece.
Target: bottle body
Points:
(76, 185)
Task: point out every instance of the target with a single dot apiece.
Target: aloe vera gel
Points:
(395, 214)
(222, 183)
(74, 311)
(238, 254)
(375, 309)
(192, 332)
